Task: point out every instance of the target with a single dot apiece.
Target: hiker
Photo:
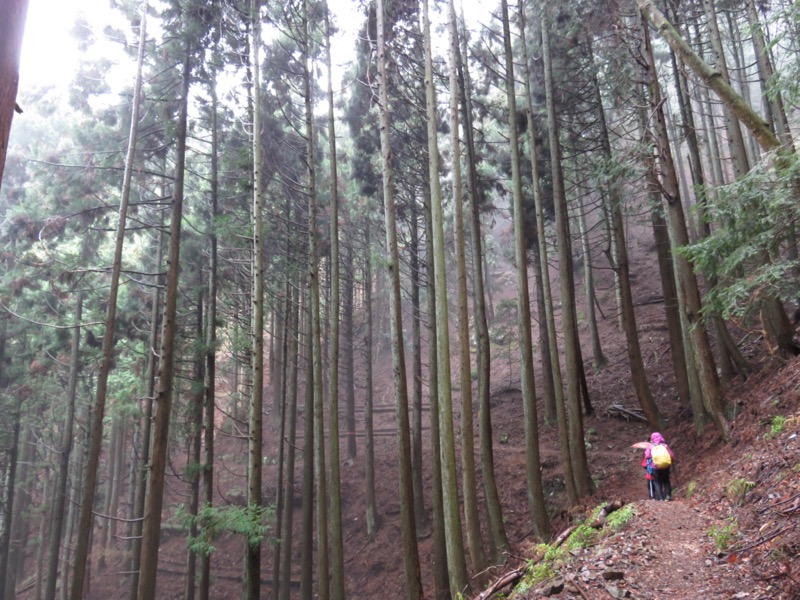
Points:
(650, 478)
(658, 458)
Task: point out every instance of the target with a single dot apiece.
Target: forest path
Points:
(665, 552)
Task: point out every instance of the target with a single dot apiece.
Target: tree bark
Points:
(335, 509)
(12, 27)
(98, 413)
(469, 478)
(688, 290)
(580, 466)
(252, 558)
(536, 504)
(710, 77)
(498, 540)
(413, 585)
(544, 264)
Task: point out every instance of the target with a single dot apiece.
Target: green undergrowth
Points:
(548, 559)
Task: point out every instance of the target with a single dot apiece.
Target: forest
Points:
(372, 298)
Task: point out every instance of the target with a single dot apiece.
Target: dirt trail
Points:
(665, 553)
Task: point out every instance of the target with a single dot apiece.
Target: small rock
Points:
(617, 592)
(613, 575)
(741, 595)
(709, 562)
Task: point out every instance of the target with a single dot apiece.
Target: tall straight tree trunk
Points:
(195, 448)
(337, 539)
(252, 560)
(536, 504)
(98, 413)
(287, 532)
(209, 408)
(498, 540)
(60, 494)
(413, 585)
(599, 360)
(580, 466)
(689, 293)
(729, 355)
(309, 451)
(369, 440)
(544, 264)
(772, 97)
(19, 524)
(147, 414)
(621, 267)
(459, 582)
(739, 60)
(11, 487)
(316, 325)
(469, 478)
(416, 369)
(441, 571)
(348, 350)
(155, 494)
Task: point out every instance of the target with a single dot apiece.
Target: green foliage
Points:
(776, 427)
(249, 521)
(691, 488)
(582, 537)
(737, 489)
(745, 254)
(619, 518)
(723, 535)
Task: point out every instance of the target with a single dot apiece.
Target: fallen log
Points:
(607, 510)
(617, 410)
(509, 578)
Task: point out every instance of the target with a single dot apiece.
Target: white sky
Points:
(50, 54)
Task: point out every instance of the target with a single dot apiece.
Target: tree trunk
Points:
(416, 377)
(62, 475)
(469, 479)
(544, 265)
(11, 487)
(322, 494)
(347, 351)
(147, 414)
(252, 559)
(309, 451)
(20, 517)
(151, 529)
(335, 510)
(710, 77)
(621, 267)
(498, 540)
(599, 360)
(580, 466)
(288, 493)
(209, 408)
(441, 571)
(459, 581)
(195, 448)
(369, 441)
(12, 28)
(536, 504)
(772, 98)
(98, 413)
(411, 567)
(687, 283)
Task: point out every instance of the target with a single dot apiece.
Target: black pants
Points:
(661, 485)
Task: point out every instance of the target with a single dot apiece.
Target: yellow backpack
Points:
(661, 456)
